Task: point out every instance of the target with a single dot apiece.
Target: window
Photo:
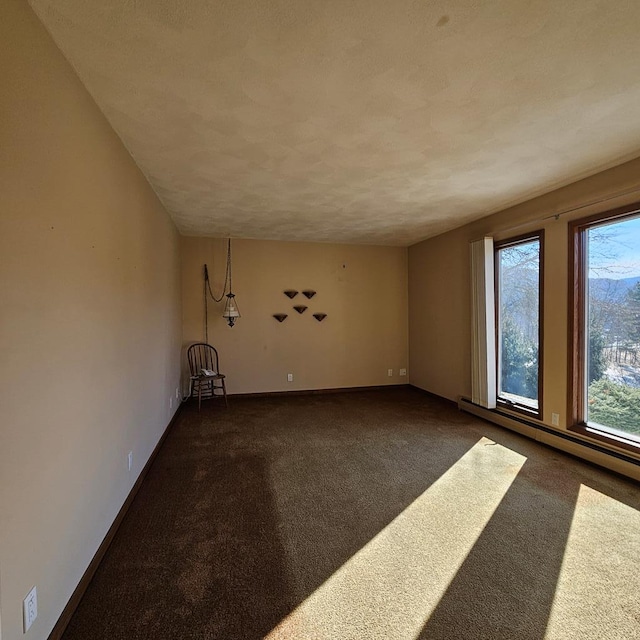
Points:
(518, 321)
(605, 308)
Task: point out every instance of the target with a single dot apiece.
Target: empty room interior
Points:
(410, 230)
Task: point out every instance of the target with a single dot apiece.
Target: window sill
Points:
(620, 439)
(509, 405)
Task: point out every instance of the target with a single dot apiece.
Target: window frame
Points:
(504, 244)
(577, 329)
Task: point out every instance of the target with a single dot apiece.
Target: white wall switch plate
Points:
(390, 372)
(289, 377)
(403, 372)
(555, 419)
(130, 460)
(30, 609)
(177, 393)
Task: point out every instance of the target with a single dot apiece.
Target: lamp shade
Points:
(231, 312)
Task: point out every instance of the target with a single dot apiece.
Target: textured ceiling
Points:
(365, 121)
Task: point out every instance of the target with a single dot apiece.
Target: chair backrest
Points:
(202, 356)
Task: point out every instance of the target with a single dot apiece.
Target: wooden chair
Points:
(203, 356)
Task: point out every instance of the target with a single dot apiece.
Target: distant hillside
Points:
(610, 289)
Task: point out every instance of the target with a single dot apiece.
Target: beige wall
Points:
(362, 289)
(440, 297)
(89, 323)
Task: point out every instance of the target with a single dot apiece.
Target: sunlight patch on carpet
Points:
(599, 580)
(391, 586)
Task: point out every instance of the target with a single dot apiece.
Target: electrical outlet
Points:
(390, 372)
(177, 393)
(170, 402)
(403, 372)
(289, 377)
(555, 419)
(30, 609)
(130, 460)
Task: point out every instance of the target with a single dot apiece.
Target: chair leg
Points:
(199, 394)
(224, 393)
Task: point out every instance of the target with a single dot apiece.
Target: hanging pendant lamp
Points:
(231, 312)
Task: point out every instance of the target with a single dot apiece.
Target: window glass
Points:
(518, 302)
(612, 331)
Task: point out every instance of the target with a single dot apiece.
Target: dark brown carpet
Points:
(345, 511)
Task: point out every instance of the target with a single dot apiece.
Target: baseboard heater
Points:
(592, 452)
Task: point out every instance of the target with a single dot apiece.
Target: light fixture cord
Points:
(227, 277)
(208, 292)
(229, 264)
(206, 317)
